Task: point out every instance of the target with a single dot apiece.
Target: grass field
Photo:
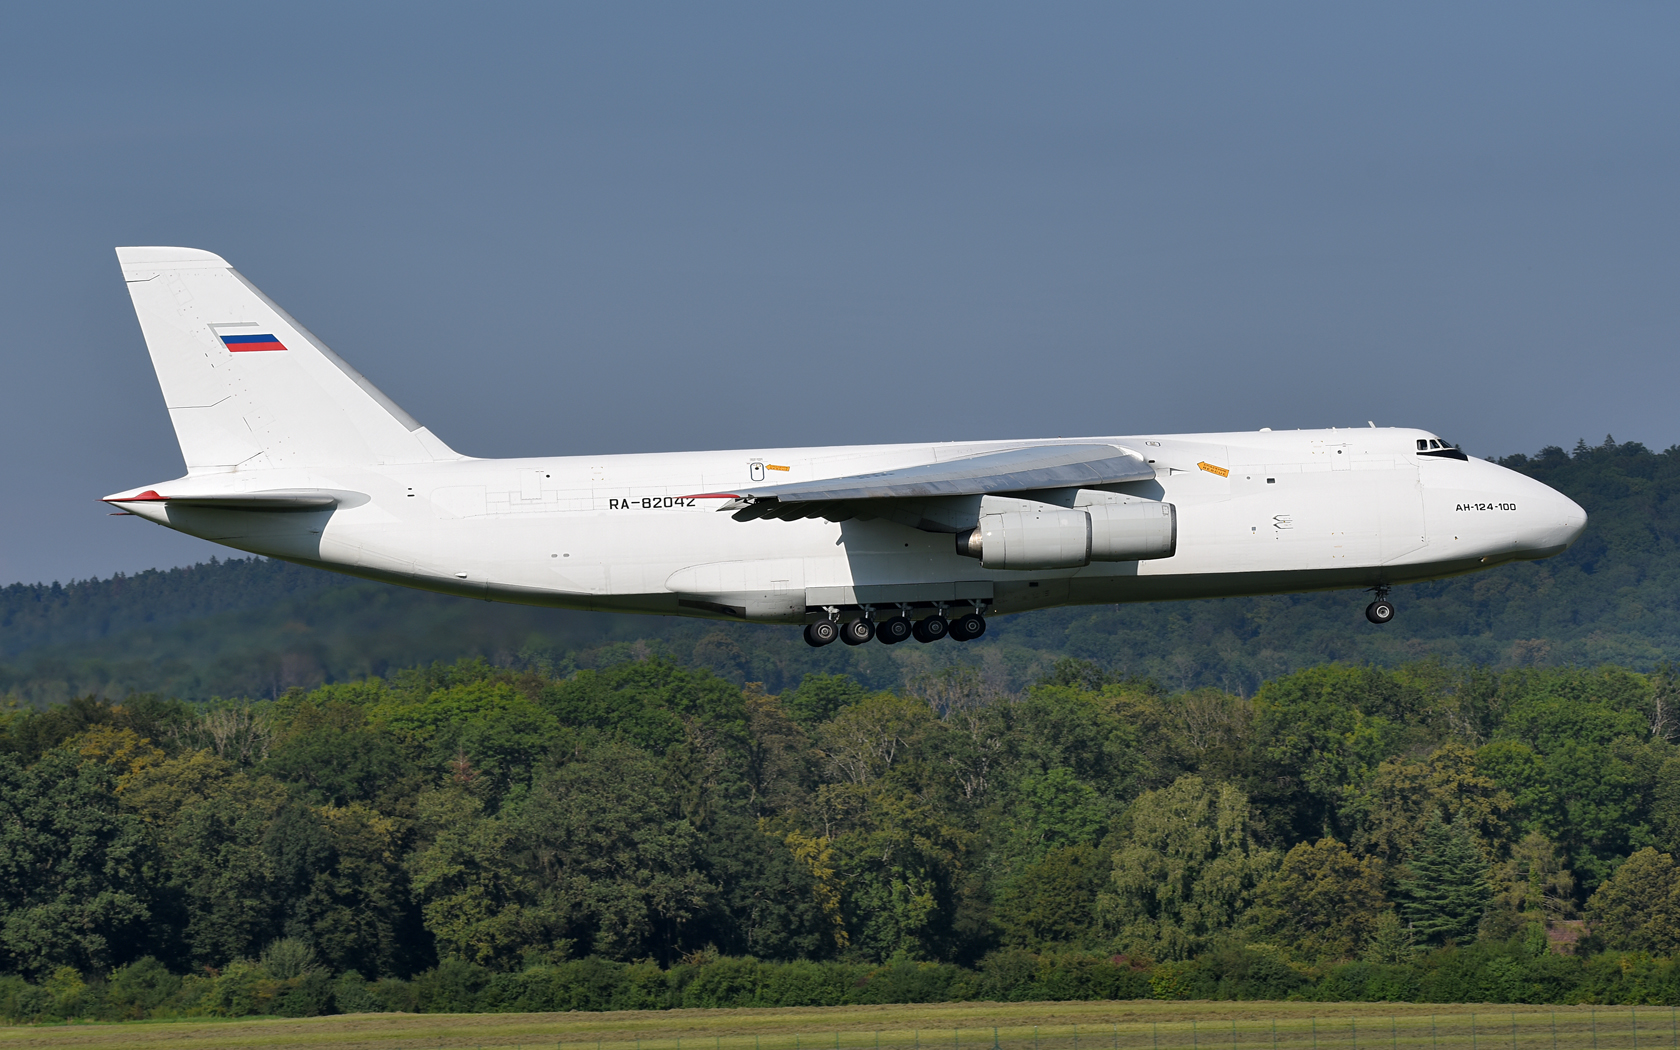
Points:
(957, 1026)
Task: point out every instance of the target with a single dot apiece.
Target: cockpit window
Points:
(1435, 448)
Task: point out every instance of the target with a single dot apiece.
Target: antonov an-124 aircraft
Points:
(292, 454)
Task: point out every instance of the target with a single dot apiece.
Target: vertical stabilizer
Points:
(248, 387)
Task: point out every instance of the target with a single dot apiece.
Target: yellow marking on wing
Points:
(1211, 469)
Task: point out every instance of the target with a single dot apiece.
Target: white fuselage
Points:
(1263, 512)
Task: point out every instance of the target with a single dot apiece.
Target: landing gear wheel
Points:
(821, 633)
(893, 631)
(930, 629)
(1380, 611)
(856, 632)
(967, 628)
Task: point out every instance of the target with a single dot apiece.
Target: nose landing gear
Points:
(1382, 610)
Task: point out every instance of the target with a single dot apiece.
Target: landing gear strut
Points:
(1382, 610)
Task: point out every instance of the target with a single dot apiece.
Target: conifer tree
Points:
(1448, 890)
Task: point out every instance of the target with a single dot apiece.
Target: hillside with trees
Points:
(464, 836)
(255, 628)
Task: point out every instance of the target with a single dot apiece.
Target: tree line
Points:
(478, 828)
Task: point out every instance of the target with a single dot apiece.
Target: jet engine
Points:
(1050, 537)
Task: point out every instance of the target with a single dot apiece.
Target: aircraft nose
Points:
(1574, 520)
(1558, 525)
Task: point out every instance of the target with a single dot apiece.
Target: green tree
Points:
(1446, 889)
(1095, 735)
(611, 854)
(644, 703)
(1391, 941)
(903, 856)
(76, 874)
(329, 751)
(820, 697)
(864, 742)
(1053, 902)
(221, 869)
(1051, 810)
(502, 733)
(1325, 902)
(1186, 869)
(1531, 886)
(341, 887)
(1320, 734)
(479, 902)
(1574, 750)
(1391, 811)
(765, 904)
(1638, 908)
(1665, 808)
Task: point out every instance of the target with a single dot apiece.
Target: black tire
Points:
(1380, 611)
(930, 629)
(967, 628)
(856, 632)
(821, 633)
(893, 631)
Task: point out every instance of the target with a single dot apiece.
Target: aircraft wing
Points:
(1012, 470)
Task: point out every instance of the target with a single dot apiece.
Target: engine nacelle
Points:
(1136, 531)
(1047, 538)
(1050, 537)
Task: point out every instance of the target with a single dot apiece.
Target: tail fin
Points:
(248, 387)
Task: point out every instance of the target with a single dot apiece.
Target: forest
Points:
(644, 834)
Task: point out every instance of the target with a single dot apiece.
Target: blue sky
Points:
(551, 229)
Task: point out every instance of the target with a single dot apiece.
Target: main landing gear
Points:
(1382, 610)
(899, 628)
(821, 633)
(967, 628)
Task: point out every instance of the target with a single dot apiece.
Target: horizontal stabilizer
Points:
(273, 499)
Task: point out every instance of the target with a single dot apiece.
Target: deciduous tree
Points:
(1187, 868)
(1638, 908)
(76, 885)
(1324, 902)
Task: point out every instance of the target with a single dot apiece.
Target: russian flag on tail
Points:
(244, 338)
